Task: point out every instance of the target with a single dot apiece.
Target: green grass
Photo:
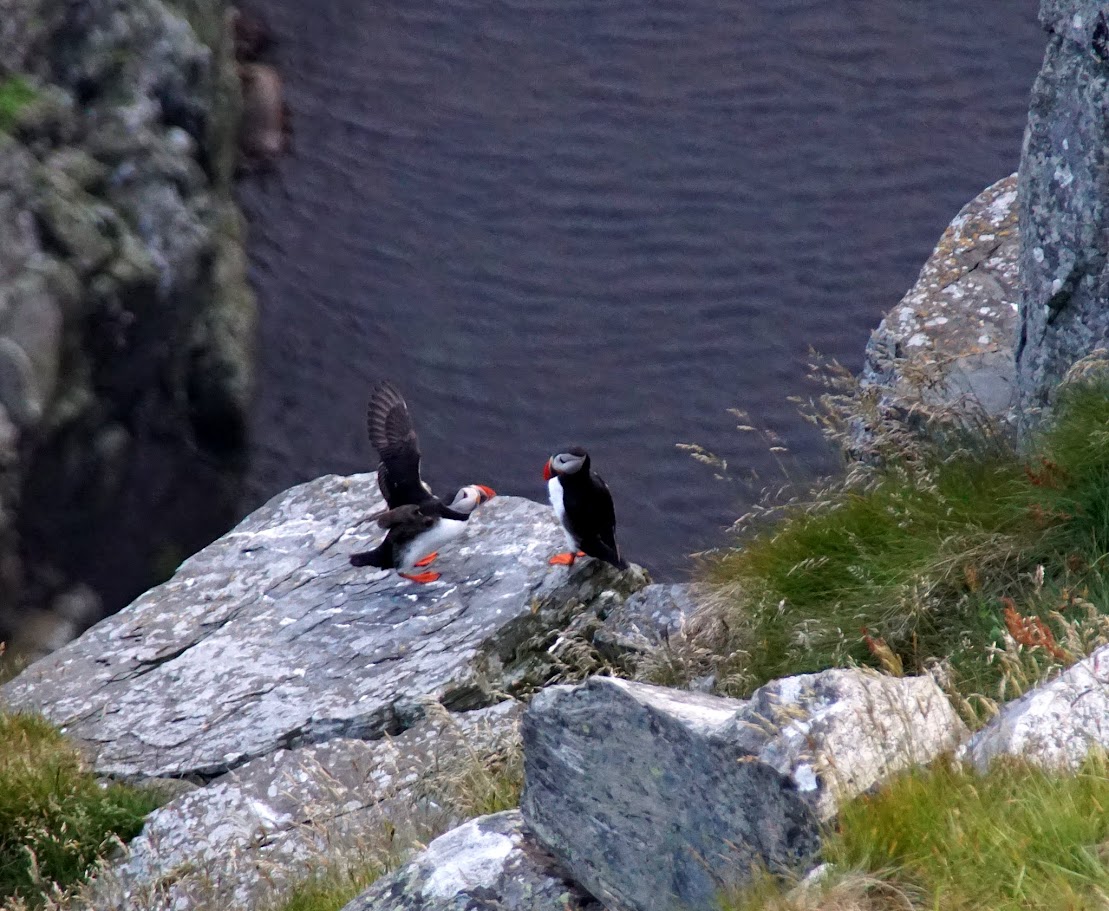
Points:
(922, 556)
(56, 820)
(331, 890)
(1015, 839)
(15, 94)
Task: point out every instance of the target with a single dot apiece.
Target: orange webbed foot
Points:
(428, 560)
(580, 553)
(422, 578)
(566, 559)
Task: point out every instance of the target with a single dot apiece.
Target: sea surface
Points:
(607, 222)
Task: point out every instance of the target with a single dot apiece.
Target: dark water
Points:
(606, 222)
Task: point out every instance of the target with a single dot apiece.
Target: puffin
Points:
(583, 504)
(416, 521)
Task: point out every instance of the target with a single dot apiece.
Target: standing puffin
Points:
(417, 521)
(584, 507)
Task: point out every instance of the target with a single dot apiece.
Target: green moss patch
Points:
(16, 93)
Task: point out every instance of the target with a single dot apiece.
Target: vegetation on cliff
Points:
(57, 821)
(969, 557)
(960, 554)
(1016, 839)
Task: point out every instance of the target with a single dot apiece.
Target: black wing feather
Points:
(391, 432)
(605, 539)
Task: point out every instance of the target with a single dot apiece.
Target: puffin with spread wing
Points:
(417, 522)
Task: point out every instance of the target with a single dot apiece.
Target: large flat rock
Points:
(489, 864)
(269, 639)
(242, 841)
(657, 799)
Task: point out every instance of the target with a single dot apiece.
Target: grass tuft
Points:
(942, 558)
(1015, 839)
(56, 820)
(332, 889)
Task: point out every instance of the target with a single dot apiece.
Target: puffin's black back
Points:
(590, 513)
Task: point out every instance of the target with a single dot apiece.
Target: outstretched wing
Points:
(393, 436)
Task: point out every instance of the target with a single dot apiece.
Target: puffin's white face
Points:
(471, 497)
(567, 462)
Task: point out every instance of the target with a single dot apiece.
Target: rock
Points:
(656, 799)
(1055, 725)
(640, 623)
(253, 35)
(17, 384)
(164, 790)
(78, 167)
(269, 638)
(82, 229)
(490, 864)
(265, 130)
(34, 326)
(1063, 189)
(243, 840)
(949, 344)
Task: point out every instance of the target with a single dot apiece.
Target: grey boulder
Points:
(1056, 725)
(645, 620)
(268, 638)
(949, 343)
(243, 840)
(489, 864)
(658, 799)
(1064, 188)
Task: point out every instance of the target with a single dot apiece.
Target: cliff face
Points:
(125, 319)
(1063, 191)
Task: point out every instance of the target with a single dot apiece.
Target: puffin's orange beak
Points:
(547, 472)
(488, 491)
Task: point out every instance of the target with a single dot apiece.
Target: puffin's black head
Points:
(571, 461)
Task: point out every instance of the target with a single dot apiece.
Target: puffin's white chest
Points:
(554, 491)
(442, 532)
